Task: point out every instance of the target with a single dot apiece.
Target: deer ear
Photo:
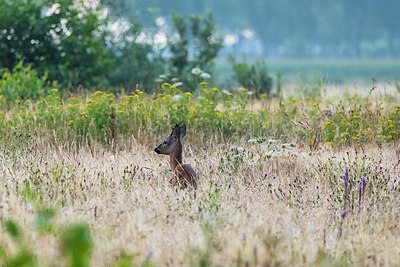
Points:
(182, 131)
(175, 131)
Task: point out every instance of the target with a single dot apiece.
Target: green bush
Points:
(253, 76)
(22, 83)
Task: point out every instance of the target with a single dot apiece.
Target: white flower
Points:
(287, 145)
(205, 75)
(264, 146)
(252, 140)
(226, 92)
(240, 149)
(249, 92)
(177, 97)
(177, 84)
(271, 141)
(196, 71)
(236, 156)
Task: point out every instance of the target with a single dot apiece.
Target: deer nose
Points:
(157, 150)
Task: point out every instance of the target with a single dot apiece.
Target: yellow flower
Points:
(196, 105)
(165, 84)
(193, 110)
(69, 106)
(97, 92)
(54, 90)
(215, 90)
(17, 101)
(120, 111)
(328, 143)
(243, 90)
(188, 93)
(90, 101)
(356, 117)
(1, 96)
(71, 121)
(262, 95)
(315, 104)
(204, 83)
(27, 102)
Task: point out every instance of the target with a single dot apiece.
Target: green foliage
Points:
(253, 76)
(196, 50)
(22, 83)
(109, 119)
(134, 62)
(77, 245)
(12, 228)
(67, 44)
(43, 219)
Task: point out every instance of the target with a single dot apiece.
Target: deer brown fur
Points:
(183, 174)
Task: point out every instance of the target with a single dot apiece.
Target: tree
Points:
(61, 38)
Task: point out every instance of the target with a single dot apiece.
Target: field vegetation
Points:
(310, 178)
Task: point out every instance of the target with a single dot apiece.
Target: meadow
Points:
(310, 178)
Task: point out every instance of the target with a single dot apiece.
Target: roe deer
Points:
(183, 174)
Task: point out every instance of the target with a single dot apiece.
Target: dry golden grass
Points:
(253, 219)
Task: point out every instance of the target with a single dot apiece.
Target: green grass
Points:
(338, 71)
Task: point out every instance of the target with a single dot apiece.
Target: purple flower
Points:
(149, 254)
(343, 214)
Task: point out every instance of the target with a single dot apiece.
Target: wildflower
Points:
(252, 140)
(204, 83)
(243, 90)
(226, 92)
(97, 93)
(188, 94)
(177, 97)
(271, 141)
(215, 90)
(54, 90)
(71, 121)
(177, 84)
(205, 75)
(240, 149)
(196, 71)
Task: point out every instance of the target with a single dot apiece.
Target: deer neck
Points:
(175, 158)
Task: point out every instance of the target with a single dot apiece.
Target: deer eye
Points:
(165, 142)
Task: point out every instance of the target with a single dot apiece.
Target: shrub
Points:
(22, 83)
(253, 76)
